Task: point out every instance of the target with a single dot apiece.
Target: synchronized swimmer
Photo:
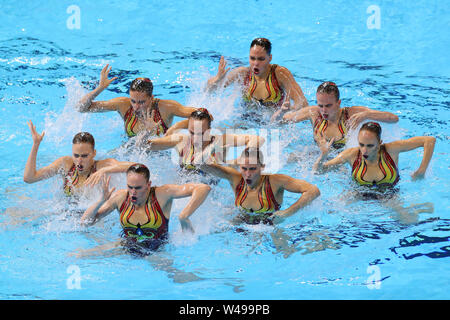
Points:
(141, 111)
(145, 210)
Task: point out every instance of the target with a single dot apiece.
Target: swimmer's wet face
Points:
(328, 105)
(251, 172)
(140, 101)
(199, 129)
(369, 145)
(251, 164)
(138, 187)
(259, 60)
(83, 155)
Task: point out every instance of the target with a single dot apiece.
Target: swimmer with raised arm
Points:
(263, 83)
(141, 111)
(78, 170)
(330, 121)
(144, 210)
(375, 164)
(200, 145)
(260, 196)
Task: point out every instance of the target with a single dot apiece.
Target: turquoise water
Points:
(331, 250)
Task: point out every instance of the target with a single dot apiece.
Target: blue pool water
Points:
(329, 250)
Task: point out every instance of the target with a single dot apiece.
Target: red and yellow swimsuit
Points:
(266, 198)
(72, 178)
(187, 156)
(157, 226)
(386, 165)
(276, 94)
(130, 118)
(321, 124)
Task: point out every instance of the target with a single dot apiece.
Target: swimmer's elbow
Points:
(204, 188)
(28, 180)
(315, 192)
(394, 118)
(430, 141)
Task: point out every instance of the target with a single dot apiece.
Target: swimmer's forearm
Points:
(199, 194)
(382, 116)
(307, 197)
(212, 84)
(90, 215)
(86, 101)
(428, 149)
(29, 175)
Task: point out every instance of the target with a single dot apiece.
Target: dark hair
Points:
(329, 87)
(142, 85)
(251, 152)
(201, 114)
(84, 137)
(140, 169)
(372, 127)
(262, 42)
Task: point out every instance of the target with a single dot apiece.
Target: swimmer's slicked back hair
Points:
(329, 87)
(201, 114)
(262, 42)
(253, 154)
(140, 169)
(373, 127)
(142, 85)
(84, 137)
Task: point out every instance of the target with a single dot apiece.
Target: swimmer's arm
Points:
(120, 104)
(180, 125)
(341, 158)
(292, 88)
(177, 109)
(32, 175)
(240, 140)
(107, 166)
(223, 77)
(359, 113)
(309, 193)
(428, 143)
(86, 103)
(222, 172)
(104, 206)
(165, 142)
(300, 115)
(198, 193)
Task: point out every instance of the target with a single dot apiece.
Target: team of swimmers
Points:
(145, 209)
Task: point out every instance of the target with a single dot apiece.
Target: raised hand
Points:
(356, 119)
(95, 178)
(223, 70)
(323, 143)
(106, 193)
(37, 138)
(104, 81)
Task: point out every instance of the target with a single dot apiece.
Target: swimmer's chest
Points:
(332, 131)
(260, 92)
(373, 173)
(138, 216)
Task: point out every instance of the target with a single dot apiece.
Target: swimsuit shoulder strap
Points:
(267, 198)
(240, 192)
